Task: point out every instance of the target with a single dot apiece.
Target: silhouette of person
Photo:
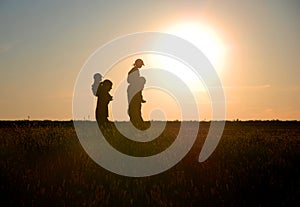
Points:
(134, 94)
(102, 102)
(97, 82)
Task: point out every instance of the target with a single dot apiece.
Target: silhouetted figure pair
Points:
(134, 94)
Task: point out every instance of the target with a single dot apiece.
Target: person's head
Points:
(97, 77)
(107, 85)
(138, 63)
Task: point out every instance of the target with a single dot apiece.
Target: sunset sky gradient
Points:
(44, 44)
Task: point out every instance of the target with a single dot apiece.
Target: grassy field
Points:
(256, 163)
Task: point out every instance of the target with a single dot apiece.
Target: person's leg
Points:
(133, 110)
(98, 117)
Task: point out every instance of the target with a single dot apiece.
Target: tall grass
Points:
(255, 164)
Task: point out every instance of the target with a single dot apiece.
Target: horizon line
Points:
(68, 120)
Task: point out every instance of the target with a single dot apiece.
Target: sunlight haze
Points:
(253, 46)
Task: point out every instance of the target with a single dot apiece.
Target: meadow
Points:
(256, 163)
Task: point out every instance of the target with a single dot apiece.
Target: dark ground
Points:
(257, 163)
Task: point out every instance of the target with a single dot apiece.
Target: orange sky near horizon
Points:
(254, 47)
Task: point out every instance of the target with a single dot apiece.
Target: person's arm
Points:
(107, 97)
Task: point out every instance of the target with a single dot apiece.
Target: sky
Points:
(253, 45)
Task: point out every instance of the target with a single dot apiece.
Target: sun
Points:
(205, 39)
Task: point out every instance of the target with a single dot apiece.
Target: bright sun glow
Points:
(205, 39)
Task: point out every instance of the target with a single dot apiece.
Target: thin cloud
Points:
(249, 87)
